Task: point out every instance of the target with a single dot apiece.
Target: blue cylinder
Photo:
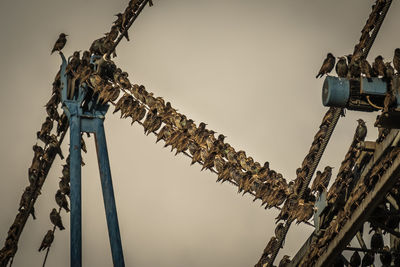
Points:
(335, 92)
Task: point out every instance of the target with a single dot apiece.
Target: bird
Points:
(361, 131)
(316, 182)
(279, 230)
(386, 256)
(60, 43)
(355, 259)
(61, 200)
(377, 241)
(366, 68)
(284, 261)
(327, 65)
(55, 218)
(269, 249)
(325, 178)
(341, 67)
(64, 186)
(47, 240)
(368, 259)
(396, 60)
(379, 66)
(389, 71)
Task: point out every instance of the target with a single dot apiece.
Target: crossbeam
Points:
(361, 214)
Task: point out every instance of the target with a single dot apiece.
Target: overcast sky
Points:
(247, 68)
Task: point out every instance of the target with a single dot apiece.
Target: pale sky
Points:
(246, 68)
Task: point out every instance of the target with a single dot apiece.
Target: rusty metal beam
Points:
(361, 214)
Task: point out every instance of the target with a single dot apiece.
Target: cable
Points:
(127, 27)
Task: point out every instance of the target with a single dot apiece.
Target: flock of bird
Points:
(204, 147)
(355, 67)
(78, 69)
(346, 207)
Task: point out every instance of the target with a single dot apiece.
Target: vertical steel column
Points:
(108, 194)
(76, 189)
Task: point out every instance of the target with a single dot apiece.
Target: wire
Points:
(127, 28)
(372, 104)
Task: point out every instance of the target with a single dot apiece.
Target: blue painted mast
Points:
(90, 120)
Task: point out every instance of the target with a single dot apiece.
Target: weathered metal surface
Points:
(90, 121)
(335, 92)
(361, 214)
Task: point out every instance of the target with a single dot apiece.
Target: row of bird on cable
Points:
(339, 196)
(382, 218)
(347, 67)
(39, 167)
(77, 69)
(303, 209)
(178, 131)
(62, 202)
(182, 134)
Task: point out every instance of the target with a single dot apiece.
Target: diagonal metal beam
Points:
(361, 214)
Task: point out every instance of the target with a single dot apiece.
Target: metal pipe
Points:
(76, 190)
(108, 195)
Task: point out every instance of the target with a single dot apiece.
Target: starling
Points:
(365, 68)
(361, 131)
(61, 200)
(60, 43)
(279, 230)
(284, 261)
(379, 66)
(377, 241)
(64, 186)
(368, 259)
(389, 71)
(341, 67)
(316, 182)
(326, 177)
(47, 240)
(55, 218)
(386, 256)
(396, 60)
(355, 259)
(327, 65)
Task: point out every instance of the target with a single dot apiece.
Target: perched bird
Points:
(341, 67)
(379, 66)
(279, 230)
(325, 178)
(316, 182)
(55, 218)
(284, 261)
(327, 65)
(377, 241)
(368, 259)
(64, 186)
(61, 200)
(396, 60)
(366, 68)
(60, 43)
(361, 131)
(47, 240)
(386, 256)
(355, 259)
(269, 249)
(389, 71)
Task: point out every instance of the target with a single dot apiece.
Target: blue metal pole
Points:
(76, 190)
(108, 194)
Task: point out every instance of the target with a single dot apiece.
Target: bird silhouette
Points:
(341, 67)
(60, 43)
(327, 65)
(55, 218)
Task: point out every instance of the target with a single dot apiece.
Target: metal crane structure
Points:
(366, 189)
